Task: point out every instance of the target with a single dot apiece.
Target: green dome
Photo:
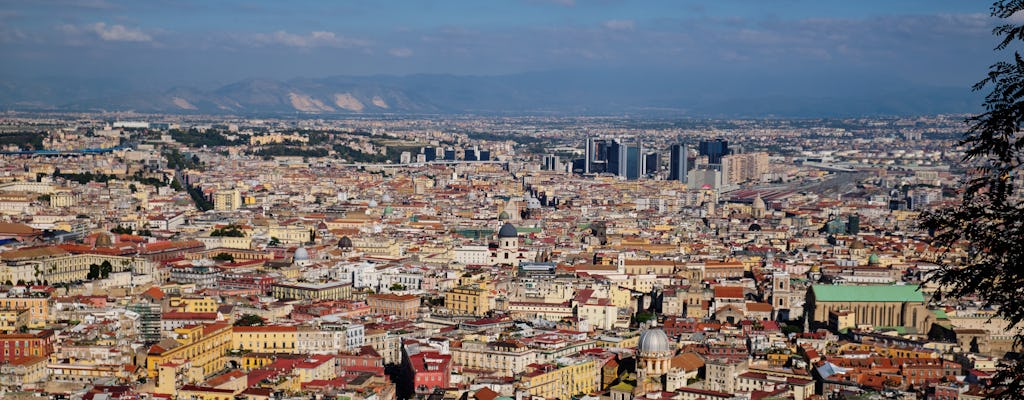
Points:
(388, 210)
(873, 259)
(503, 216)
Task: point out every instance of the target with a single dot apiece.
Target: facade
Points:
(312, 291)
(467, 300)
(881, 305)
(401, 306)
(264, 339)
(16, 345)
(202, 347)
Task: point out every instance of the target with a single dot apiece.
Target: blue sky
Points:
(938, 42)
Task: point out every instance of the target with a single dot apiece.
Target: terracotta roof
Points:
(730, 292)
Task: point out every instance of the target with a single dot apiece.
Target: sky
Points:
(165, 42)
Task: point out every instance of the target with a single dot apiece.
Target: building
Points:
(881, 305)
(741, 168)
(429, 371)
(264, 339)
(17, 345)
(679, 163)
(467, 300)
(503, 357)
(227, 200)
(312, 291)
(201, 347)
(404, 306)
(713, 150)
(573, 377)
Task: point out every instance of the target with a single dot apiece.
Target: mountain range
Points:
(536, 93)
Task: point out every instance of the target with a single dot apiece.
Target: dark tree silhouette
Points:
(983, 235)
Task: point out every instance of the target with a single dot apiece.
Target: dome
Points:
(301, 254)
(104, 240)
(856, 245)
(503, 216)
(754, 227)
(873, 259)
(653, 341)
(508, 231)
(345, 242)
(759, 203)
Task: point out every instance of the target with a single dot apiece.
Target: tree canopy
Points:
(984, 234)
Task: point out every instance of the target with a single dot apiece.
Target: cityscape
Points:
(383, 244)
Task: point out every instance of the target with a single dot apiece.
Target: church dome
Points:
(301, 254)
(345, 242)
(759, 203)
(503, 216)
(104, 240)
(653, 341)
(873, 259)
(754, 227)
(508, 231)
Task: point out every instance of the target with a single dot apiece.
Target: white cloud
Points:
(108, 33)
(120, 33)
(620, 24)
(313, 39)
(401, 52)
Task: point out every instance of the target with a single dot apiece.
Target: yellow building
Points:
(552, 381)
(202, 346)
(195, 304)
(13, 320)
(290, 233)
(23, 373)
(227, 200)
(467, 300)
(264, 339)
(38, 308)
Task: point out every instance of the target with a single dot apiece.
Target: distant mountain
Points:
(538, 93)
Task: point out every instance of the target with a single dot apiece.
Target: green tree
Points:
(94, 272)
(106, 269)
(397, 287)
(986, 229)
(250, 320)
(224, 257)
(274, 241)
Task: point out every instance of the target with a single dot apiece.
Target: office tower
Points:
(588, 154)
(616, 158)
(679, 163)
(551, 162)
(470, 154)
(429, 154)
(714, 150)
(633, 163)
(651, 163)
(485, 155)
(449, 154)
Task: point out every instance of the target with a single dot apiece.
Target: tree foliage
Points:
(985, 231)
(250, 320)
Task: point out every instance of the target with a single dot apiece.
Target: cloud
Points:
(107, 33)
(313, 39)
(401, 52)
(619, 24)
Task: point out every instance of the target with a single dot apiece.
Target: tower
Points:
(678, 163)
(714, 150)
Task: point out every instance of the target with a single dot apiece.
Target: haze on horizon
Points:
(944, 43)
